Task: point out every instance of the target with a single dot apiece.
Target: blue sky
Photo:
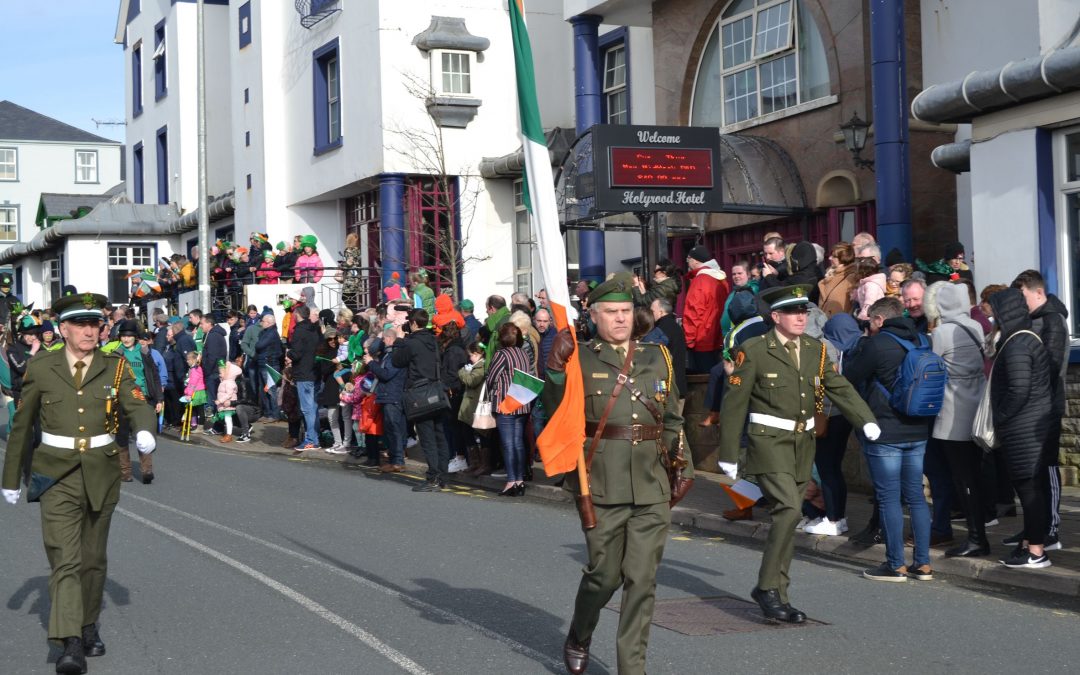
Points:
(62, 62)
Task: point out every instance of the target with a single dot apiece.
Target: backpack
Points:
(919, 388)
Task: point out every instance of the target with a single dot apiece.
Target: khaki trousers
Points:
(625, 549)
(75, 540)
(786, 496)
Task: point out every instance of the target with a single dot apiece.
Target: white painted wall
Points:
(50, 167)
(955, 35)
(1004, 207)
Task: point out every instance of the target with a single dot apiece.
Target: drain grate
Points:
(716, 616)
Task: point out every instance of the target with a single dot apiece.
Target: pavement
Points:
(703, 508)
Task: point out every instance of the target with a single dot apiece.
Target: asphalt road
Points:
(238, 563)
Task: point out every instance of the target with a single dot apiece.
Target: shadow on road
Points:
(36, 591)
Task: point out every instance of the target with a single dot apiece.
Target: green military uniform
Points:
(779, 398)
(75, 472)
(629, 484)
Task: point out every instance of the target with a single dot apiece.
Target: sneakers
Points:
(411, 442)
(1025, 559)
(243, 438)
(337, 450)
(804, 521)
(1052, 542)
(827, 527)
(209, 432)
(922, 573)
(427, 486)
(885, 573)
(307, 446)
(458, 464)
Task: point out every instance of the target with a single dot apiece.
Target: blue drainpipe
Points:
(892, 165)
(587, 106)
(392, 226)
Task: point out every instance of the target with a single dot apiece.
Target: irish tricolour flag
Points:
(561, 444)
(523, 389)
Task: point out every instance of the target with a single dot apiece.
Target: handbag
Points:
(982, 427)
(425, 400)
(821, 420)
(482, 418)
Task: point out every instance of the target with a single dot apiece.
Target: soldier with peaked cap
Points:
(76, 393)
(628, 481)
(775, 381)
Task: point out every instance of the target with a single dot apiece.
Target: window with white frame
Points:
(523, 243)
(452, 72)
(9, 223)
(762, 57)
(124, 259)
(86, 166)
(1067, 149)
(616, 96)
(9, 164)
(51, 276)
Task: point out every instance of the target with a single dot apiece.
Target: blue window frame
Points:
(247, 139)
(134, 7)
(161, 84)
(615, 76)
(138, 190)
(163, 165)
(136, 80)
(244, 24)
(327, 97)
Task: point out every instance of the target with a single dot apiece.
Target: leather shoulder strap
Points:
(619, 382)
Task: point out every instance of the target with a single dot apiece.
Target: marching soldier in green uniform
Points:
(76, 393)
(634, 383)
(778, 379)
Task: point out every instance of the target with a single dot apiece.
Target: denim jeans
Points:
(511, 430)
(897, 471)
(714, 395)
(394, 430)
(305, 391)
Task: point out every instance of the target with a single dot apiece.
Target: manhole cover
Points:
(715, 616)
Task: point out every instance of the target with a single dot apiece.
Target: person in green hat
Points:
(76, 395)
(629, 483)
(26, 344)
(309, 266)
(780, 380)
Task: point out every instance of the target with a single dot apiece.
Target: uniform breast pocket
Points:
(776, 390)
(595, 402)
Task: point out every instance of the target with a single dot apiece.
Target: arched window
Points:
(762, 56)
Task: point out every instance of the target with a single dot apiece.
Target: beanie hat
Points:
(329, 333)
(280, 246)
(268, 255)
(174, 319)
(894, 257)
(309, 240)
(467, 305)
(47, 327)
(954, 250)
(700, 254)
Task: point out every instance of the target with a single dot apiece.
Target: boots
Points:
(484, 464)
(289, 442)
(976, 544)
(871, 534)
(473, 454)
(72, 660)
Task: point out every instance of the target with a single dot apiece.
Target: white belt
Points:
(71, 442)
(780, 422)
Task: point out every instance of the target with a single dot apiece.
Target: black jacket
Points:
(1020, 389)
(325, 367)
(877, 360)
(303, 341)
(268, 348)
(1051, 323)
(154, 393)
(215, 348)
(453, 358)
(677, 346)
(418, 352)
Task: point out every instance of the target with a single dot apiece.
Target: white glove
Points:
(730, 470)
(145, 442)
(12, 496)
(871, 430)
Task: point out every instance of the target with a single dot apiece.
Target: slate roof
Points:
(55, 204)
(21, 124)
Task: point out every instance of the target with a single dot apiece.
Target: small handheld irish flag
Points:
(273, 377)
(523, 389)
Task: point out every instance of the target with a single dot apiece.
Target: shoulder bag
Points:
(426, 399)
(482, 418)
(982, 427)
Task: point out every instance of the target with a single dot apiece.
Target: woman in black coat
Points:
(1021, 400)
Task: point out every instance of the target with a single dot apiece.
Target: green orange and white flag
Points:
(523, 389)
(562, 443)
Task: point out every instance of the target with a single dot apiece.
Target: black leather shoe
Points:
(148, 478)
(575, 654)
(969, 549)
(92, 644)
(72, 661)
(772, 608)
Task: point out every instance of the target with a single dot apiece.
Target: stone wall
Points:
(1070, 429)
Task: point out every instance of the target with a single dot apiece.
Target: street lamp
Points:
(855, 140)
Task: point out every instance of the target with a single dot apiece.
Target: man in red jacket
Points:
(708, 291)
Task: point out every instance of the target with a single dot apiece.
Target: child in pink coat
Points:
(870, 286)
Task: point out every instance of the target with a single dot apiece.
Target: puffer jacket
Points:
(705, 301)
(877, 360)
(1051, 323)
(1020, 388)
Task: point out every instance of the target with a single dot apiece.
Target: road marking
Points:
(307, 603)
(364, 581)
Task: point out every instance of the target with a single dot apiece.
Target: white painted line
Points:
(368, 583)
(307, 603)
